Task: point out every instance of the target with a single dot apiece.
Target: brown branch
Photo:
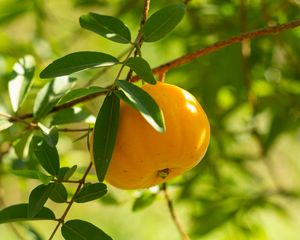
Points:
(17, 119)
(74, 129)
(62, 218)
(67, 104)
(221, 44)
(140, 41)
(175, 219)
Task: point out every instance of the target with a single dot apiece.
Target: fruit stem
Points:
(163, 173)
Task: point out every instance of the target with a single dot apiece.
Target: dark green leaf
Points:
(105, 132)
(20, 144)
(46, 155)
(141, 67)
(77, 61)
(50, 135)
(81, 92)
(145, 104)
(19, 85)
(72, 115)
(59, 193)
(91, 192)
(65, 172)
(162, 22)
(38, 197)
(81, 230)
(50, 94)
(19, 213)
(44, 178)
(32, 174)
(109, 27)
(143, 201)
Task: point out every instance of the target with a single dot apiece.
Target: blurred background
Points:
(248, 184)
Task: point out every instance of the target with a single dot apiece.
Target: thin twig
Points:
(221, 44)
(140, 42)
(73, 129)
(18, 119)
(175, 219)
(62, 218)
(67, 104)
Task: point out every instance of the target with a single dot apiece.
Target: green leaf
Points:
(162, 22)
(4, 124)
(105, 132)
(216, 214)
(72, 115)
(20, 144)
(81, 92)
(50, 94)
(77, 61)
(91, 192)
(33, 174)
(144, 103)
(38, 197)
(81, 230)
(59, 193)
(19, 85)
(65, 172)
(18, 212)
(50, 135)
(107, 26)
(141, 67)
(143, 201)
(10, 10)
(46, 155)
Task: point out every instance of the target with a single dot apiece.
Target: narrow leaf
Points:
(38, 198)
(105, 132)
(163, 21)
(19, 213)
(81, 92)
(50, 94)
(91, 192)
(65, 172)
(19, 85)
(20, 144)
(141, 67)
(32, 174)
(46, 155)
(59, 193)
(72, 115)
(50, 135)
(77, 61)
(143, 201)
(144, 103)
(107, 26)
(81, 230)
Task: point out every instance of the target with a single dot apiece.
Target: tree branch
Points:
(175, 219)
(221, 44)
(62, 218)
(67, 104)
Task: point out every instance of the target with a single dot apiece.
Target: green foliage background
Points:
(246, 187)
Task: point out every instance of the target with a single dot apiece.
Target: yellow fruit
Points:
(144, 157)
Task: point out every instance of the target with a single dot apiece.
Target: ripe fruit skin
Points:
(144, 157)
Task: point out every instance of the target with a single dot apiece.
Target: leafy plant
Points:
(251, 94)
